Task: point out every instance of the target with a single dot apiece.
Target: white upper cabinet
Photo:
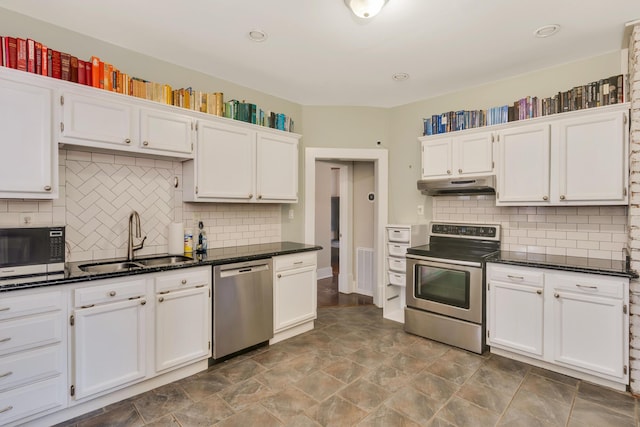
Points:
(164, 131)
(29, 160)
(467, 154)
(523, 164)
(236, 163)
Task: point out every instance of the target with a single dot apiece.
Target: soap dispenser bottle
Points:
(201, 247)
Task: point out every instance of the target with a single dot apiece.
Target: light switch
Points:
(420, 209)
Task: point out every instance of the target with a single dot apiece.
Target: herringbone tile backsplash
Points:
(98, 192)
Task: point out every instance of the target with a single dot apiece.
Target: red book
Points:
(73, 69)
(81, 73)
(3, 55)
(21, 63)
(31, 56)
(38, 57)
(65, 66)
(88, 73)
(56, 64)
(101, 75)
(45, 61)
(11, 52)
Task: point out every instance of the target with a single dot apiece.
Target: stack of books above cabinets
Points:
(606, 91)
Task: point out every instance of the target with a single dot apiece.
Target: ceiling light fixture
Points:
(365, 9)
(400, 77)
(257, 35)
(546, 31)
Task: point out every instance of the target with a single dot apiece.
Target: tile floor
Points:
(358, 369)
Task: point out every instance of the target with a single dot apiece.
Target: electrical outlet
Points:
(420, 209)
(290, 213)
(25, 219)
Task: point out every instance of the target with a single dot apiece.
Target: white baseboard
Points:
(324, 273)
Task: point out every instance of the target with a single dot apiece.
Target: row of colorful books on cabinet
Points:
(599, 93)
(35, 57)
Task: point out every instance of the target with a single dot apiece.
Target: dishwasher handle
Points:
(246, 269)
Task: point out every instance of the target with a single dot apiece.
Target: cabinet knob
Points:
(47, 188)
(127, 141)
(259, 196)
(250, 196)
(145, 143)
(545, 198)
(539, 292)
(448, 172)
(556, 295)
(160, 299)
(183, 281)
(459, 170)
(143, 302)
(112, 293)
(279, 276)
(562, 197)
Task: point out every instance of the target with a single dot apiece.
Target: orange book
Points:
(95, 71)
(101, 75)
(45, 61)
(108, 77)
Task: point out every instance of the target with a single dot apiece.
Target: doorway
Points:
(378, 159)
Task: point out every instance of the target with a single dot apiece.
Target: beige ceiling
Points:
(317, 53)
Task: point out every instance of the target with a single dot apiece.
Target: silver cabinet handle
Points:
(5, 308)
(515, 277)
(145, 143)
(259, 196)
(183, 281)
(393, 297)
(127, 141)
(161, 299)
(556, 295)
(279, 276)
(448, 172)
(47, 188)
(112, 293)
(143, 302)
(562, 197)
(6, 374)
(8, 408)
(5, 339)
(586, 286)
(459, 170)
(545, 198)
(200, 286)
(250, 196)
(539, 292)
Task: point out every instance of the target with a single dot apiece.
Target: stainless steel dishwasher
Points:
(242, 306)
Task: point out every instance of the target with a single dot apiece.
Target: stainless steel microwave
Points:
(31, 253)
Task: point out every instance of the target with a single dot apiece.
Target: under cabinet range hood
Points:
(458, 186)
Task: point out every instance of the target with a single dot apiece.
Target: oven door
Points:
(445, 288)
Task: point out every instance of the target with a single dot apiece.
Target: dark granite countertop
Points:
(566, 263)
(219, 256)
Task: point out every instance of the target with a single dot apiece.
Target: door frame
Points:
(380, 159)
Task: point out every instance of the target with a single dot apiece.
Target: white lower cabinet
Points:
(183, 317)
(294, 294)
(573, 323)
(109, 337)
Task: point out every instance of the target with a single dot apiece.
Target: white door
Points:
(515, 319)
(437, 158)
(27, 160)
(294, 297)
(474, 154)
(523, 164)
(277, 168)
(588, 333)
(160, 130)
(592, 158)
(225, 162)
(182, 327)
(109, 346)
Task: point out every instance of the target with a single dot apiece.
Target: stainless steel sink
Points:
(116, 266)
(111, 267)
(165, 260)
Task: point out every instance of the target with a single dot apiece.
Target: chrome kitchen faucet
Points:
(131, 248)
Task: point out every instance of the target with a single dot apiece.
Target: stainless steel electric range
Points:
(446, 284)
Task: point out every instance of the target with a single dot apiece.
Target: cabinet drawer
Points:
(32, 399)
(587, 285)
(397, 264)
(29, 332)
(30, 303)
(30, 366)
(397, 279)
(402, 235)
(287, 262)
(183, 279)
(111, 292)
(397, 249)
(516, 275)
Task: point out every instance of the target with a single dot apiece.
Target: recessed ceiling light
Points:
(257, 35)
(546, 31)
(400, 77)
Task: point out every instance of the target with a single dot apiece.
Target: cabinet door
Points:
(294, 297)
(183, 323)
(588, 333)
(28, 164)
(592, 158)
(474, 154)
(515, 319)
(109, 346)
(225, 162)
(437, 158)
(161, 130)
(523, 165)
(87, 120)
(277, 168)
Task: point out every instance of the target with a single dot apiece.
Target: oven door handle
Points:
(445, 261)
